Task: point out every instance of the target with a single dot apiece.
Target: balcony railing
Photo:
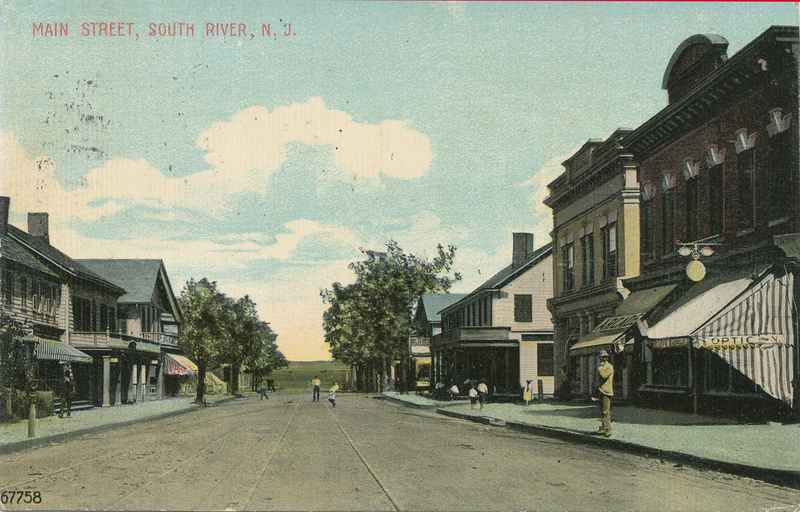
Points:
(161, 338)
(419, 341)
(114, 340)
(472, 334)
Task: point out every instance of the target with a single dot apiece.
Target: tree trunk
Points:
(201, 384)
(235, 379)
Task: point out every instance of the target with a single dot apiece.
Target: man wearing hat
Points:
(605, 387)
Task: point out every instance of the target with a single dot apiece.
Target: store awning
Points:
(687, 318)
(52, 350)
(594, 342)
(754, 333)
(175, 364)
(610, 333)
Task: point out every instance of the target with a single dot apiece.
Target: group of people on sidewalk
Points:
(316, 384)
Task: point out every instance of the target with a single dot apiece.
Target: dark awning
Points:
(610, 333)
(52, 350)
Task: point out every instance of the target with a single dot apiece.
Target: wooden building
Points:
(501, 332)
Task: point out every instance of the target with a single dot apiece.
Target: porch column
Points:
(132, 387)
(144, 381)
(106, 380)
(118, 386)
(160, 380)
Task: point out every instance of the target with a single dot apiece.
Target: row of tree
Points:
(219, 330)
(368, 322)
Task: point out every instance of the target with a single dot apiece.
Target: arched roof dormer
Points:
(693, 61)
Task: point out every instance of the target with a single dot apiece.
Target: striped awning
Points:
(51, 350)
(755, 335)
(178, 365)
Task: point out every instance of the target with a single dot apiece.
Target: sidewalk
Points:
(14, 436)
(769, 452)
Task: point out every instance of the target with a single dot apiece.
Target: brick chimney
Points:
(5, 202)
(523, 248)
(38, 226)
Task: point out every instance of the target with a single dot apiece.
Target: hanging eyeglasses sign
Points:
(695, 270)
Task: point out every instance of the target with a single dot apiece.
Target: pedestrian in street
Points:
(315, 384)
(332, 394)
(262, 391)
(66, 391)
(605, 388)
(473, 396)
(483, 393)
(453, 392)
(527, 395)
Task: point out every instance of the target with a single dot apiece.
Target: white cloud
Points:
(255, 140)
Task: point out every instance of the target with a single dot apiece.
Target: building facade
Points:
(148, 315)
(718, 173)
(426, 324)
(595, 205)
(501, 332)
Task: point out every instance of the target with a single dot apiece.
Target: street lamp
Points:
(695, 270)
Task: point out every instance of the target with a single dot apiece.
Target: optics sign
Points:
(763, 341)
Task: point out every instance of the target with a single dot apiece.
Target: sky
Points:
(268, 161)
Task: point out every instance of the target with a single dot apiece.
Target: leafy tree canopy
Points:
(368, 321)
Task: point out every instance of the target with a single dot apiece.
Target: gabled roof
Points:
(508, 274)
(138, 277)
(32, 252)
(435, 302)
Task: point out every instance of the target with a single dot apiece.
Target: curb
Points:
(37, 442)
(784, 478)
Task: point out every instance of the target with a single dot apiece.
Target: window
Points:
(8, 287)
(77, 314)
(568, 266)
(37, 296)
(544, 360)
(23, 292)
(610, 251)
(587, 249)
(691, 209)
(112, 319)
(668, 222)
(715, 204)
(745, 167)
(103, 318)
(670, 366)
(779, 176)
(523, 308)
(647, 230)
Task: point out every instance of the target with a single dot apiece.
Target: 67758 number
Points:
(7, 497)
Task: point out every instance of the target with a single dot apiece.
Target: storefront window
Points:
(544, 360)
(670, 366)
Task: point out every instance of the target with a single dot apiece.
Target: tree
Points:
(268, 358)
(203, 335)
(16, 372)
(368, 322)
(249, 342)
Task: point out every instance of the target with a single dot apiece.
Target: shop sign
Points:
(669, 343)
(762, 341)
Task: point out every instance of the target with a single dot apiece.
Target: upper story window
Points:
(668, 214)
(691, 172)
(523, 308)
(23, 292)
(648, 192)
(779, 172)
(745, 169)
(587, 254)
(715, 163)
(568, 267)
(610, 250)
(8, 287)
(691, 209)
